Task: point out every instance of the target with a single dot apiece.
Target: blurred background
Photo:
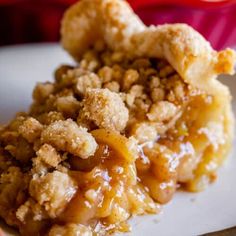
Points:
(30, 21)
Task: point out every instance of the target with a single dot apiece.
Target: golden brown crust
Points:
(115, 23)
(91, 20)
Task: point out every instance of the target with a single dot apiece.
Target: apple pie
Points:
(140, 115)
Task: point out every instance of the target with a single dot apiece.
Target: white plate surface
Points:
(188, 214)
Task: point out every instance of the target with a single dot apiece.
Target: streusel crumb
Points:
(68, 136)
(52, 191)
(70, 230)
(105, 108)
(31, 129)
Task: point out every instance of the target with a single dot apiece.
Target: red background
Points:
(24, 21)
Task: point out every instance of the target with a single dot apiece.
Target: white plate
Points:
(188, 214)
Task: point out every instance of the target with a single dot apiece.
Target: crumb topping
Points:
(105, 108)
(68, 136)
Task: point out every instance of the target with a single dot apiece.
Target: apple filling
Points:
(110, 138)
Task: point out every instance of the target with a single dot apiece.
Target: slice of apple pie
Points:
(140, 115)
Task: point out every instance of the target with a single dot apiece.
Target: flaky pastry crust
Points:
(114, 23)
